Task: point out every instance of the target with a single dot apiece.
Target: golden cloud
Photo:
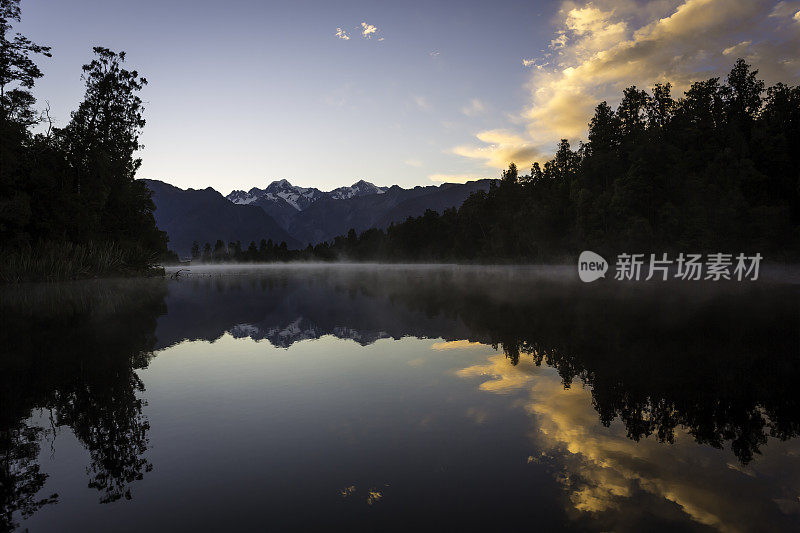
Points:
(368, 30)
(500, 148)
(455, 178)
(603, 46)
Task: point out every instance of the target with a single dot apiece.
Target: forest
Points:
(70, 205)
(715, 170)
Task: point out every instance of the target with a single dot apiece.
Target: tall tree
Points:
(18, 71)
(100, 143)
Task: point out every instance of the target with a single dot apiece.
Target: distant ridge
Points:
(312, 216)
(296, 215)
(204, 215)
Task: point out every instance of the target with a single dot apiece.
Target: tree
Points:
(195, 250)
(219, 250)
(746, 90)
(16, 66)
(661, 106)
(18, 73)
(604, 129)
(632, 111)
(99, 144)
(511, 175)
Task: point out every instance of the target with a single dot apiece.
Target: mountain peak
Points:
(280, 185)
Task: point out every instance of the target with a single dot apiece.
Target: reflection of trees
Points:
(723, 365)
(75, 348)
(20, 475)
(719, 360)
(108, 420)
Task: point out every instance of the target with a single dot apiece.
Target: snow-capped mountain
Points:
(300, 198)
(284, 201)
(312, 215)
(360, 188)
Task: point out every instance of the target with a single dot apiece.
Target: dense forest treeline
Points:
(68, 195)
(717, 170)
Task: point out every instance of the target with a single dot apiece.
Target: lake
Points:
(300, 397)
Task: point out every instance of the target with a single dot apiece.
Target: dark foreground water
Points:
(399, 399)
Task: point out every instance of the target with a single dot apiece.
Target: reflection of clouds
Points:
(477, 415)
(605, 472)
(455, 345)
(505, 377)
(374, 497)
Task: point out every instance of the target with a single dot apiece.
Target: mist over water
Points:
(400, 396)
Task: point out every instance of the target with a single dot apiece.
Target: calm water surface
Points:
(292, 398)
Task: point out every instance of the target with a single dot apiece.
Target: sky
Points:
(326, 93)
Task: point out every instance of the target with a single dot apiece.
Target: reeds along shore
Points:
(59, 261)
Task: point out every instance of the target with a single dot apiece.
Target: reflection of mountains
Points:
(288, 309)
(301, 329)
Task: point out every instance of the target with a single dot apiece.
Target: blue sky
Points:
(244, 92)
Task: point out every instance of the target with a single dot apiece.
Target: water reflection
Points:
(644, 402)
(73, 350)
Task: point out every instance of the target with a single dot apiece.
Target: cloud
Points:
(785, 9)
(500, 148)
(341, 34)
(453, 178)
(422, 103)
(475, 107)
(603, 50)
(413, 162)
(737, 50)
(368, 30)
(601, 47)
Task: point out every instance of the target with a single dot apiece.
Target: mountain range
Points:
(296, 215)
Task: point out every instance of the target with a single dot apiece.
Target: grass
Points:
(58, 261)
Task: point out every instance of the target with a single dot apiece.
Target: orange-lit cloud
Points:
(368, 30)
(455, 178)
(499, 148)
(601, 47)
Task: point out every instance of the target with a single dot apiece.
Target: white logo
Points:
(591, 266)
